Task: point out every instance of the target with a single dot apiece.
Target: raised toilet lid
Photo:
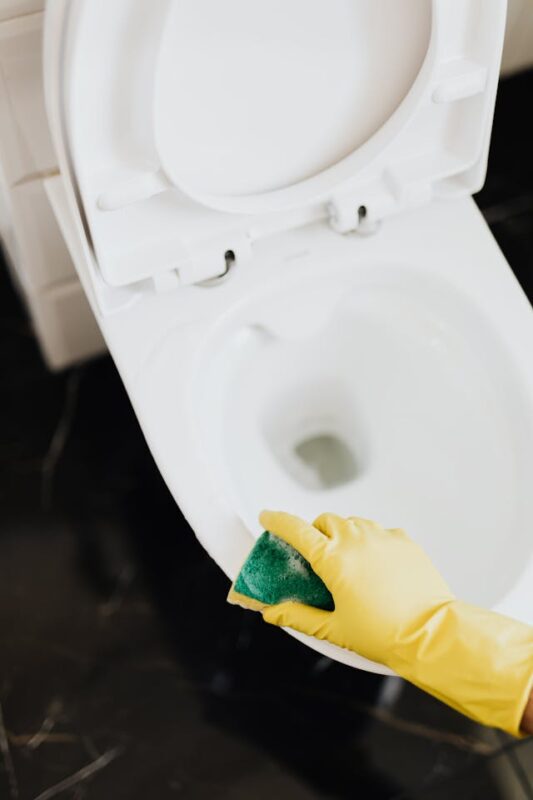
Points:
(195, 127)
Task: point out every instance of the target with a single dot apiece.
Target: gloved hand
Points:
(392, 606)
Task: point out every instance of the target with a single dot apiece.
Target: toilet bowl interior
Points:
(401, 406)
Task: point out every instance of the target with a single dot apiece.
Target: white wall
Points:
(518, 49)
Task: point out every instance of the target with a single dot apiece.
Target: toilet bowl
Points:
(306, 308)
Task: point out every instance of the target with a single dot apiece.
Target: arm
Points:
(393, 606)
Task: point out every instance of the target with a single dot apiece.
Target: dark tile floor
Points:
(124, 674)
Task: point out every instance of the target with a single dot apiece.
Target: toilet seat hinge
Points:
(348, 215)
(400, 189)
(211, 261)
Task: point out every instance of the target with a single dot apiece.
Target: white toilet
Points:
(269, 208)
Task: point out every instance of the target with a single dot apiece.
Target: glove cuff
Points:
(479, 662)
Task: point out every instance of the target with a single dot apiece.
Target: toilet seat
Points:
(147, 227)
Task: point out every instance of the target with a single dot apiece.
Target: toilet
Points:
(269, 209)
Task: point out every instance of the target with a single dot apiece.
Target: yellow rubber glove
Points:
(392, 606)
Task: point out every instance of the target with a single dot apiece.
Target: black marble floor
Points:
(123, 672)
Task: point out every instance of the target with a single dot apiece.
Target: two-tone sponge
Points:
(274, 572)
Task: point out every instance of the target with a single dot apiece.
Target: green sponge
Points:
(273, 572)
